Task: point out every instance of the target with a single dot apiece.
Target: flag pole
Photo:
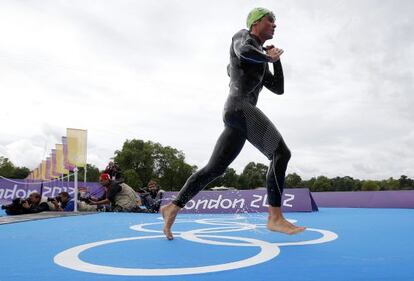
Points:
(75, 196)
(86, 156)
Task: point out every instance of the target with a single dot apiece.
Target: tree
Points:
(309, 183)
(228, 179)
(138, 156)
(321, 183)
(370, 186)
(405, 182)
(343, 184)
(8, 170)
(254, 175)
(389, 184)
(6, 167)
(293, 180)
(20, 173)
(151, 160)
(92, 173)
(132, 179)
(170, 167)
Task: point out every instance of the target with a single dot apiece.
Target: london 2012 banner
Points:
(245, 201)
(237, 201)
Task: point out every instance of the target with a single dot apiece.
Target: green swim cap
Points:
(257, 14)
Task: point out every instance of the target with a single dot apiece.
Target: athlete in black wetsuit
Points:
(249, 72)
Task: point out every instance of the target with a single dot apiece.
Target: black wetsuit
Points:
(249, 72)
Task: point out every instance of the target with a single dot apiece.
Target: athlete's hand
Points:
(273, 52)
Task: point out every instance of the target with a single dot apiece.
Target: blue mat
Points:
(341, 244)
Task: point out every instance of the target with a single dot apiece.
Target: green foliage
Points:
(137, 155)
(254, 175)
(390, 184)
(20, 173)
(370, 186)
(344, 184)
(293, 180)
(309, 183)
(228, 179)
(92, 173)
(8, 170)
(151, 160)
(132, 179)
(321, 183)
(171, 170)
(405, 182)
(142, 161)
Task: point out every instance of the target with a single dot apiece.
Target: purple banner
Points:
(245, 201)
(236, 201)
(366, 199)
(10, 189)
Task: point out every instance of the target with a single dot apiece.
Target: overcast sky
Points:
(156, 70)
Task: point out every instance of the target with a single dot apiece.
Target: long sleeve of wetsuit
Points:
(274, 82)
(247, 49)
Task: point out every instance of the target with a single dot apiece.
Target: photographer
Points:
(63, 202)
(153, 197)
(113, 170)
(85, 205)
(31, 205)
(120, 195)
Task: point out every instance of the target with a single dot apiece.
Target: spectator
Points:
(113, 170)
(84, 202)
(152, 199)
(63, 202)
(120, 195)
(34, 204)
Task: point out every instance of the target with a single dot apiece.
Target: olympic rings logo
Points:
(70, 257)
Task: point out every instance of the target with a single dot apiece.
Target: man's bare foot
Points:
(169, 213)
(283, 226)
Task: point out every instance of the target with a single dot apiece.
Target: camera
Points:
(17, 202)
(57, 199)
(84, 197)
(87, 200)
(16, 207)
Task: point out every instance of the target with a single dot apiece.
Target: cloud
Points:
(157, 71)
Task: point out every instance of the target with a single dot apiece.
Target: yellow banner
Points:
(35, 175)
(38, 176)
(43, 170)
(48, 168)
(77, 146)
(60, 169)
